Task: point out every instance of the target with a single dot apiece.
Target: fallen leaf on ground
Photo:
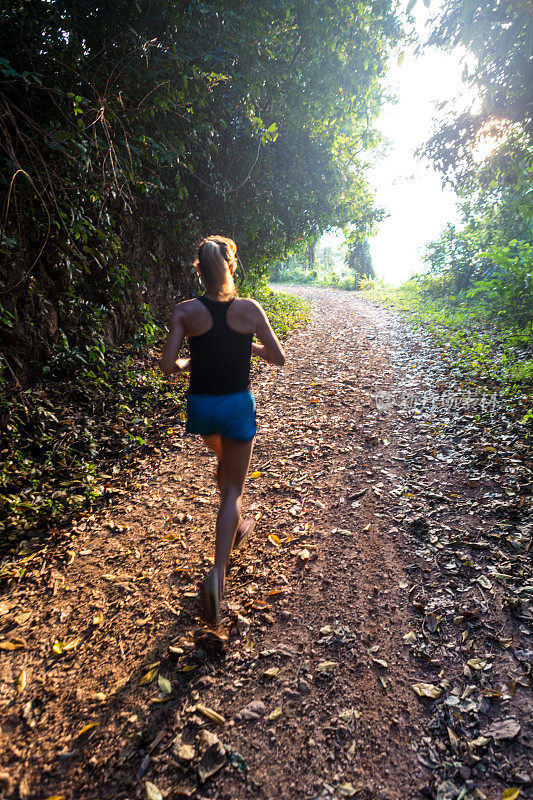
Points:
(454, 741)
(184, 791)
(151, 792)
(347, 789)
(342, 531)
(21, 681)
(349, 714)
(427, 690)
(88, 727)
(327, 666)
(236, 760)
(271, 673)
(214, 716)
(503, 729)
(63, 647)
(477, 663)
(12, 644)
(351, 751)
(164, 684)
(481, 741)
(213, 758)
(149, 676)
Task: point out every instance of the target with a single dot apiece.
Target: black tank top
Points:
(220, 358)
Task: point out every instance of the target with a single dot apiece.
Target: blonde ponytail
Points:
(215, 256)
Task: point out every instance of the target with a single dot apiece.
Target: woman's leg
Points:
(244, 527)
(233, 468)
(214, 442)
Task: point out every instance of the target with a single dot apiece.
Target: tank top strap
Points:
(217, 308)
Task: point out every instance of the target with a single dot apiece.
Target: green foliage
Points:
(129, 131)
(499, 35)
(369, 282)
(353, 283)
(323, 266)
(295, 268)
(497, 189)
(509, 292)
(284, 310)
(58, 444)
(358, 259)
(327, 269)
(318, 266)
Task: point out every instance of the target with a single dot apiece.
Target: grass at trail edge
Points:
(493, 356)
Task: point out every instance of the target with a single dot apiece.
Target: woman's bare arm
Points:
(270, 349)
(169, 363)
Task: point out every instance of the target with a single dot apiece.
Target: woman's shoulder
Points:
(246, 308)
(189, 313)
(186, 307)
(248, 304)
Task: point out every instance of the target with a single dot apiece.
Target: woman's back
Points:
(220, 356)
(242, 315)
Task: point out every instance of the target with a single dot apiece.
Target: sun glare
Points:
(490, 137)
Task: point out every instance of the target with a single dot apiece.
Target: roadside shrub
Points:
(508, 294)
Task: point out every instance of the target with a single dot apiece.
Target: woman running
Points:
(220, 405)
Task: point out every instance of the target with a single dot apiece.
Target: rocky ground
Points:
(376, 637)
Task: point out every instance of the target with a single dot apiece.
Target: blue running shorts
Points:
(230, 415)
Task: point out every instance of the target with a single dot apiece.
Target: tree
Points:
(310, 255)
(499, 33)
(495, 187)
(359, 261)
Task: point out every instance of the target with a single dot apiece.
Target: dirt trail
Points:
(388, 530)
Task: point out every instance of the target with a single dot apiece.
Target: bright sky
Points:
(409, 190)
